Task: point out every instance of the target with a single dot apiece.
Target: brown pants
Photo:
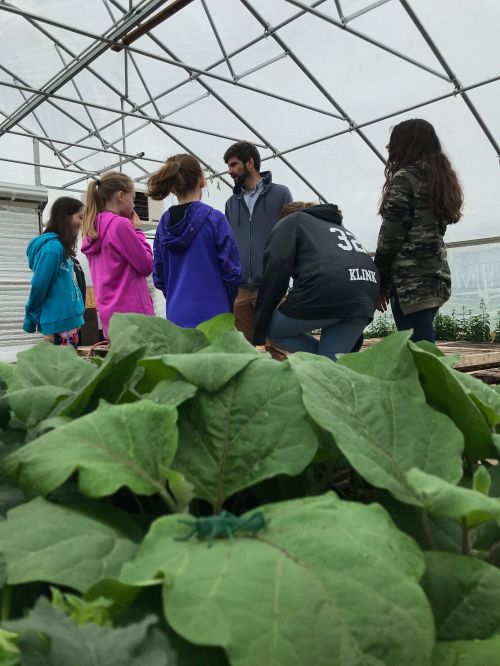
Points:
(244, 312)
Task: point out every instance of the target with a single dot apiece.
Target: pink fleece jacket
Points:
(120, 260)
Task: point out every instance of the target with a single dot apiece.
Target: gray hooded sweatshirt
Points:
(251, 231)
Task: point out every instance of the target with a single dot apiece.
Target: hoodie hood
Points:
(103, 222)
(267, 179)
(36, 244)
(179, 237)
(328, 212)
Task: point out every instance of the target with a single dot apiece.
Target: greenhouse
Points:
(170, 493)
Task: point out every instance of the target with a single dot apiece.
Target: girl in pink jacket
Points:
(119, 256)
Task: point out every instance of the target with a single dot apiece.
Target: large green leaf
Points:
(441, 498)
(9, 652)
(467, 653)
(33, 405)
(217, 325)
(117, 445)
(50, 638)
(214, 366)
(448, 394)
(10, 496)
(430, 532)
(464, 594)
(381, 429)
(485, 397)
(74, 545)
(109, 382)
(253, 428)
(389, 360)
(129, 331)
(325, 582)
(6, 373)
(44, 376)
(50, 365)
(171, 392)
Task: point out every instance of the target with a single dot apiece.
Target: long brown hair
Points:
(61, 211)
(99, 192)
(416, 140)
(179, 175)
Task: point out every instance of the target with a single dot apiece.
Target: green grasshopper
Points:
(224, 525)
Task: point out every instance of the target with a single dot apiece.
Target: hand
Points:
(383, 301)
(136, 220)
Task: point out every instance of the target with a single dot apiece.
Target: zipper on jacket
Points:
(250, 250)
(261, 195)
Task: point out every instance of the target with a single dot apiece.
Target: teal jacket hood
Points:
(39, 242)
(55, 303)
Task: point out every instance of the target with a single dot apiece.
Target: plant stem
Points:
(171, 504)
(5, 607)
(465, 537)
(427, 530)
(493, 552)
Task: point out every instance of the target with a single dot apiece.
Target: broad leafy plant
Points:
(188, 500)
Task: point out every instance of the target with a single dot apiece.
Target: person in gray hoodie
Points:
(252, 211)
(336, 284)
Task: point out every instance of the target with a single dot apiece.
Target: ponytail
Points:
(93, 205)
(99, 192)
(179, 175)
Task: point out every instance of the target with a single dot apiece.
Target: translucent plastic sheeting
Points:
(352, 76)
(476, 278)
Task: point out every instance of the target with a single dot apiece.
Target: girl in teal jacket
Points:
(55, 306)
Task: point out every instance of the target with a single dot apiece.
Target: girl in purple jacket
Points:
(196, 262)
(119, 256)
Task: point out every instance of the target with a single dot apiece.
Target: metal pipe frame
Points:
(235, 113)
(339, 10)
(444, 64)
(314, 81)
(92, 71)
(196, 73)
(365, 10)
(107, 41)
(130, 114)
(242, 48)
(243, 120)
(366, 38)
(132, 104)
(374, 121)
(16, 78)
(219, 40)
(30, 135)
(130, 21)
(120, 163)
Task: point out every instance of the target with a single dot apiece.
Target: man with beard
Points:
(252, 211)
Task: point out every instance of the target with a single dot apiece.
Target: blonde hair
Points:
(99, 192)
(179, 175)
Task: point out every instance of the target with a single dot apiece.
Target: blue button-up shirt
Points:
(251, 196)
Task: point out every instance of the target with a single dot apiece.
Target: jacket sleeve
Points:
(43, 277)
(159, 280)
(131, 243)
(279, 258)
(228, 257)
(287, 197)
(398, 215)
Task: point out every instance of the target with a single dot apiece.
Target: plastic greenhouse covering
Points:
(316, 86)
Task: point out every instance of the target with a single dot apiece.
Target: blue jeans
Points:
(422, 322)
(338, 336)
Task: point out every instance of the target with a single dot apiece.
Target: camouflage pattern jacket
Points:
(411, 254)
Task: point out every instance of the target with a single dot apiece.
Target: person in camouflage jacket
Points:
(411, 254)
